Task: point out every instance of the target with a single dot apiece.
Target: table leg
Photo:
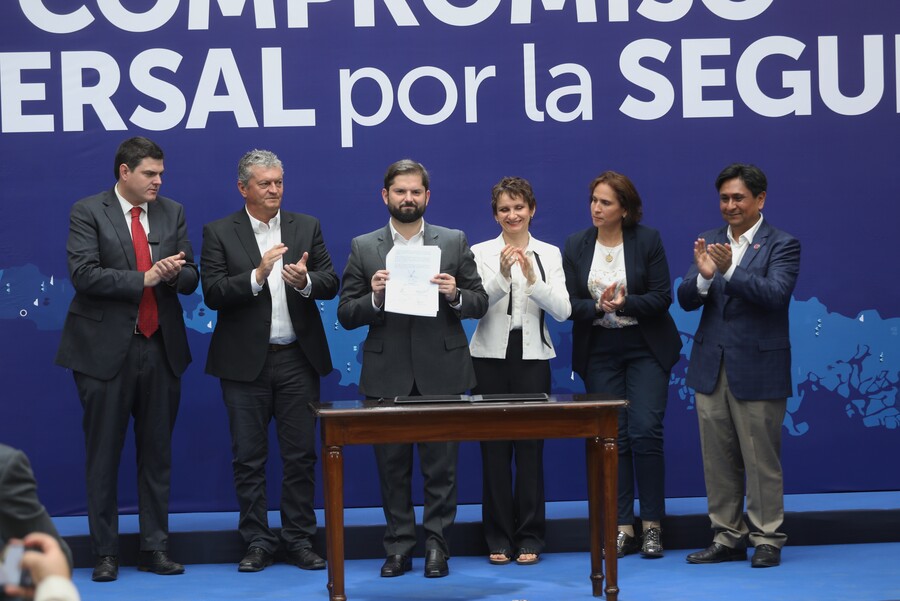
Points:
(333, 472)
(596, 483)
(610, 502)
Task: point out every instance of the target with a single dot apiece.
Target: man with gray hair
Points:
(263, 270)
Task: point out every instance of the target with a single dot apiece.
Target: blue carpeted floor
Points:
(864, 572)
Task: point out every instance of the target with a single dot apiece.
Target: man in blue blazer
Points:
(412, 355)
(742, 277)
(124, 340)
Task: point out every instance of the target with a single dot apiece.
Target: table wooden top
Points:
(348, 408)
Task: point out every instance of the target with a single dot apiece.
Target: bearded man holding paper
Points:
(407, 354)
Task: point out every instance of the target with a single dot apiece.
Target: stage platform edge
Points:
(818, 519)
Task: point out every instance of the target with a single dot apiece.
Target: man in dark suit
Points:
(263, 270)
(742, 277)
(413, 355)
(21, 512)
(125, 342)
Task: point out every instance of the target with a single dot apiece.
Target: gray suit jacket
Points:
(400, 350)
(745, 320)
(108, 287)
(21, 512)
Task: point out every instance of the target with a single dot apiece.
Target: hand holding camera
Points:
(25, 564)
(11, 565)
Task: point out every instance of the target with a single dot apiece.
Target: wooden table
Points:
(589, 416)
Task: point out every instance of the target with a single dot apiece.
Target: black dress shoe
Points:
(717, 553)
(395, 565)
(256, 560)
(436, 564)
(625, 544)
(106, 569)
(158, 562)
(766, 556)
(305, 559)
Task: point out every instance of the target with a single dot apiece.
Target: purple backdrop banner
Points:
(552, 90)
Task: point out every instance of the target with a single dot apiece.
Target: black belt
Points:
(274, 348)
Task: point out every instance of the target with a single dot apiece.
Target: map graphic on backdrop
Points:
(841, 365)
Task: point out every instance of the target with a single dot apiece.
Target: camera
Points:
(11, 571)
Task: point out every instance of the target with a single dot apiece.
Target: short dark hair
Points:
(626, 193)
(514, 187)
(405, 167)
(751, 175)
(134, 150)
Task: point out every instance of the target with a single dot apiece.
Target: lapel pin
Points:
(756, 246)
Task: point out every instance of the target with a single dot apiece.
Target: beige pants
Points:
(741, 443)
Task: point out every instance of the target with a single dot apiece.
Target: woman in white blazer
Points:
(511, 352)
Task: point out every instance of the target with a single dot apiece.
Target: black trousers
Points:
(146, 389)
(512, 514)
(621, 363)
(437, 462)
(281, 392)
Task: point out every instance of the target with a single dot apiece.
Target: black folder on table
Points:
(475, 398)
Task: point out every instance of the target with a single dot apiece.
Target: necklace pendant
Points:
(609, 257)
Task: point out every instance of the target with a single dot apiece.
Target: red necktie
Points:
(148, 317)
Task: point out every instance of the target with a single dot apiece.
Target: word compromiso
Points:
(162, 12)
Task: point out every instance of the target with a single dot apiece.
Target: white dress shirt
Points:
(145, 222)
(268, 235)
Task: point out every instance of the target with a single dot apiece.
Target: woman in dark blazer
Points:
(625, 343)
